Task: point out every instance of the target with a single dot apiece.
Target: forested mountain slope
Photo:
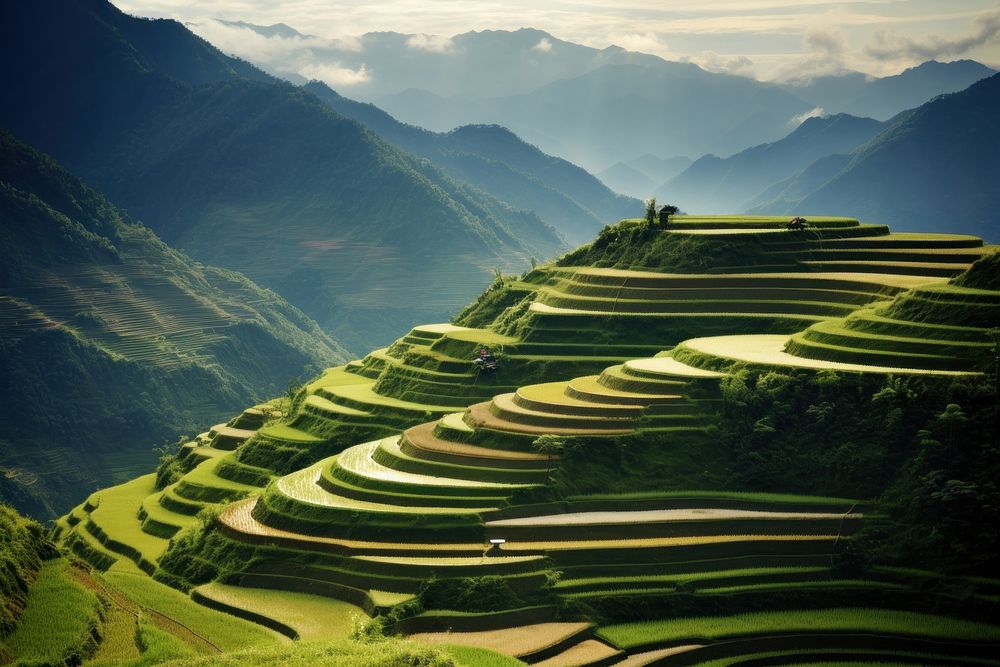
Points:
(617, 112)
(111, 342)
(933, 167)
(882, 98)
(255, 175)
(713, 184)
(702, 441)
(494, 159)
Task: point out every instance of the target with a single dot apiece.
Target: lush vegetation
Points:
(718, 435)
(984, 275)
(896, 622)
(635, 245)
(946, 496)
(382, 482)
(113, 343)
(912, 143)
(385, 653)
(208, 151)
(495, 160)
(224, 630)
(23, 545)
(61, 622)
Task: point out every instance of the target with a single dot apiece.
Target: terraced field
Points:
(134, 311)
(386, 481)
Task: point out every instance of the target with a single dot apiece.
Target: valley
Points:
(554, 456)
(378, 334)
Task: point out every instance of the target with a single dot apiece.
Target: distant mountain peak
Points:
(273, 30)
(489, 129)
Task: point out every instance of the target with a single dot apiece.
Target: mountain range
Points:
(253, 174)
(931, 167)
(939, 156)
(712, 184)
(494, 159)
(594, 107)
(112, 342)
(644, 175)
(882, 98)
(617, 112)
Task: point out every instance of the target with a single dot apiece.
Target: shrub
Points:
(473, 594)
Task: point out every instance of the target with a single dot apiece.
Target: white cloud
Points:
(645, 42)
(431, 43)
(544, 45)
(830, 41)
(714, 62)
(246, 43)
(768, 32)
(334, 75)
(892, 46)
(825, 50)
(347, 43)
(818, 112)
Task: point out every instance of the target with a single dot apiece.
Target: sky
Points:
(764, 39)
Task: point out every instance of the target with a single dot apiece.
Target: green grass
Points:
(286, 433)
(204, 475)
(301, 487)
(847, 620)
(455, 422)
(312, 616)
(385, 653)
(876, 658)
(22, 544)
(158, 646)
(358, 460)
(57, 621)
(769, 350)
(691, 576)
(225, 631)
(157, 512)
(118, 636)
(724, 220)
(753, 496)
(365, 395)
(470, 656)
(388, 599)
(116, 516)
(336, 376)
(781, 586)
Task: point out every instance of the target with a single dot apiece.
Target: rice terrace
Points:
(292, 379)
(563, 455)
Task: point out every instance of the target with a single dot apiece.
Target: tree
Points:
(666, 211)
(650, 212)
(552, 446)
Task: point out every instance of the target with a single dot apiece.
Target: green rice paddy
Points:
(818, 620)
(333, 500)
(57, 622)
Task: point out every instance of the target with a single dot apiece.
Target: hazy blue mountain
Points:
(615, 112)
(723, 185)
(111, 342)
(255, 175)
(500, 163)
(658, 169)
(784, 196)
(933, 167)
(624, 178)
(476, 64)
(882, 98)
(273, 30)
